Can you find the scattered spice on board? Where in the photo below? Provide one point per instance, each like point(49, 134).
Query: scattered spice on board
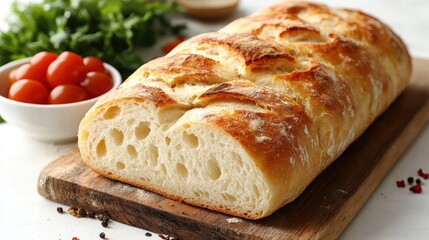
point(60, 210)
point(105, 223)
point(400, 184)
point(416, 188)
point(423, 174)
point(81, 212)
point(167, 237)
point(73, 211)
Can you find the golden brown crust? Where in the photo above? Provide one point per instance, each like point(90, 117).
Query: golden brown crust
point(183, 68)
point(141, 92)
point(287, 27)
point(250, 49)
point(280, 131)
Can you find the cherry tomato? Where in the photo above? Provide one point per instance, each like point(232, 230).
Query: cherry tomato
point(42, 60)
point(11, 77)
point(169, 46)
point(72, 58)
point(93, 64)
point(64, 71)
point(28, 91)
point(67, 94)
point(28, 71)
point(97, 83)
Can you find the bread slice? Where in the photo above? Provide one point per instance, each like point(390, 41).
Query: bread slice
point(242, 120)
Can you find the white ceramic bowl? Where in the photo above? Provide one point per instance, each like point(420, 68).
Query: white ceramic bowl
point(50, 122)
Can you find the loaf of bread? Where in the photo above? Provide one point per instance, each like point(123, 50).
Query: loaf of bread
point(242, 120)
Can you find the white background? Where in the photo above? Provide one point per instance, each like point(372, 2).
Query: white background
point(390, 213)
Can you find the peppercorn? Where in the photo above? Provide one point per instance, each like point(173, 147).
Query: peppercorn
point(60, 210)
point(81, 212)
point(418, 181)
point(148, 234)
point(410, 180)
point(105, 223)
point(102, 235)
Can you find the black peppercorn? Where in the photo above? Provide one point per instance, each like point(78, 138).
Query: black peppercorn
point(148, 234)
point(410, 180)
point(60, 210)
point(418, 181)
point(81, 212)
point(105, 223)
point(102, 235)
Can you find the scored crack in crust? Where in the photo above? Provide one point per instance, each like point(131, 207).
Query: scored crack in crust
point(242, 120)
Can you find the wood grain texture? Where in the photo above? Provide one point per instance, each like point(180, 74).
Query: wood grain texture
point(322, 212)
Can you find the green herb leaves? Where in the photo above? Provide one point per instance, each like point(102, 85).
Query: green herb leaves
point(108, 29)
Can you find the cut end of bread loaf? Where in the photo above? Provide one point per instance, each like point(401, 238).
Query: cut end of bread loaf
point(194, 162)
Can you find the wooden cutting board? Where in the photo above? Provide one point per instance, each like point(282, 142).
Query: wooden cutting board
point(322, 212)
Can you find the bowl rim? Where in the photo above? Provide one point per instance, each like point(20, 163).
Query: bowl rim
point(116, 78)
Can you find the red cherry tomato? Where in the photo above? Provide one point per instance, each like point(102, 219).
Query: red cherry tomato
point(28, 91)
point(11, 77)
point(66, 69)
point(93, 64)
point(72, 58)
point(97, 83)
point(42, 60)
point(171, 45)
point(67, 94)
point(62, 72)
point(28, 71)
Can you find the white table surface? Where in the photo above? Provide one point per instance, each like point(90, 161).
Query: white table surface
point(390, 213)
